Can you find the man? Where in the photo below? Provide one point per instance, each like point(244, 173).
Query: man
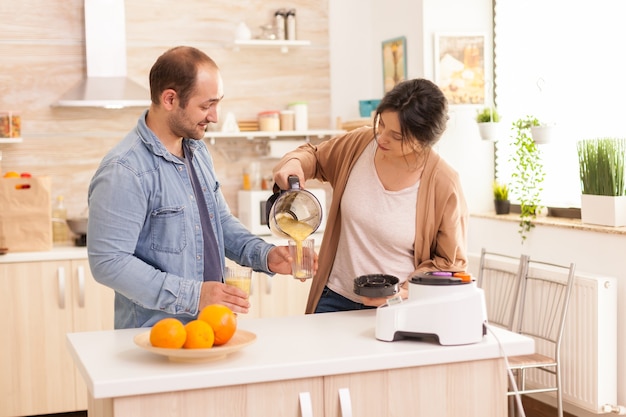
point(159, 226)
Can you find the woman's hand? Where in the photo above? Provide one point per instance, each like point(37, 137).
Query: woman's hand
point(377, 302)
point(291, 167)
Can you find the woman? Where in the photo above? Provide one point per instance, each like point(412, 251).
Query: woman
point(397, 206)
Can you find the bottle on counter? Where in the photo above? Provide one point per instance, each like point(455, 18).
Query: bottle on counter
point(60, 232)
point(290, 25)
point(279, 23)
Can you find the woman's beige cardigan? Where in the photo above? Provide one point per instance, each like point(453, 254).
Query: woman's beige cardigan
point(441, 215)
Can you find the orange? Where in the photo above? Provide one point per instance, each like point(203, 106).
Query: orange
point(222, 320)
point(12, 174)
point(199, 335)
point(168, 333)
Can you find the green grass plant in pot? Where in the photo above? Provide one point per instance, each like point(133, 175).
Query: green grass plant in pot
point(528, 174)
point(602, 165)
point(501, 198)
point(488, 121)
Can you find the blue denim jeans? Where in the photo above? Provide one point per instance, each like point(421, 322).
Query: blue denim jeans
point(330, 301)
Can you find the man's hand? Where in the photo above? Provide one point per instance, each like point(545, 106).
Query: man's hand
point(214, 292)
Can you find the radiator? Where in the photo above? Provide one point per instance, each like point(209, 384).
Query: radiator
point(589, 347)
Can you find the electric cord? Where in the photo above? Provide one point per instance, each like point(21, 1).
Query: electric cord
point(518, 398)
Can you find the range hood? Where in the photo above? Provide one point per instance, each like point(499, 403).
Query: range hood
point(106, 85)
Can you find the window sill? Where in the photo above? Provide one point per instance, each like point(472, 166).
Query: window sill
point(561, 222)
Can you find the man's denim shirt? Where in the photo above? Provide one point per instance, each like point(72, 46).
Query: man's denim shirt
point(144, 237)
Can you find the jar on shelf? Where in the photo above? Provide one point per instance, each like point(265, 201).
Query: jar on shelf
point(279, 23)
point(269, 121)
point(290, 25)
point(287, 119)
point(10, 124)
point(300, 109)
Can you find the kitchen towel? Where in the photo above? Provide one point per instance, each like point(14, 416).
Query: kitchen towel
point(25, 214)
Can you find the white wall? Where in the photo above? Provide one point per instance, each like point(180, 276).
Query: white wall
point(357, 30)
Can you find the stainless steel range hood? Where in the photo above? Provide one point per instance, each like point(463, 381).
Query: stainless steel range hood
point(106, 85)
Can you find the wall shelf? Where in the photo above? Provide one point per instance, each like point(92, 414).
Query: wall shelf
point(10, 140)
point(282, 134)
point(269, 43)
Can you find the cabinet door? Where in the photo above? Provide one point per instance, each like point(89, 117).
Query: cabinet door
point(473, 389)
point(283, 295)
point(93, 310)
point(93, 302)
point(36, 308)
point(276, 399)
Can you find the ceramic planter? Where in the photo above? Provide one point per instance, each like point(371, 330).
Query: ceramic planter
point(603, 210)
point(502, 206)
point(542, 134)
point(489, 130)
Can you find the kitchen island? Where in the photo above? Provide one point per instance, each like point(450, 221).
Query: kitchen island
point(315, 365)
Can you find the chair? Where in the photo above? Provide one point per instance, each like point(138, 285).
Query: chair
point(543, 304)
point(500, 276)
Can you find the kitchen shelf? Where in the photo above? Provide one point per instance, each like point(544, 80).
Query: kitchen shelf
point(10, 140)
point(305, 134)
point(262, 43)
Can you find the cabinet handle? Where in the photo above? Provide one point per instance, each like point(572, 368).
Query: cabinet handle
point(61, 285)
point(345, 402)
point(306, 407)
point(81, 286)
point(268, 284)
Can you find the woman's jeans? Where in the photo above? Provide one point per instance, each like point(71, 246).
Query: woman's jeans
point(331, 301)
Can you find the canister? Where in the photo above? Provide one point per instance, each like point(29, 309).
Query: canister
point(287, 119)
point(269, 121)
point(301, 111)
point(10, 124)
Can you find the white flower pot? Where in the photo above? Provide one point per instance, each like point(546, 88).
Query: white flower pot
point(603, 210)
point(542, 134)
point(490, 130)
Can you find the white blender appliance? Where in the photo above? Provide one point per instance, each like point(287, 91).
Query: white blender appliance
point(445, 305)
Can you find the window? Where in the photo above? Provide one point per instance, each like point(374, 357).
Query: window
point(564, 63)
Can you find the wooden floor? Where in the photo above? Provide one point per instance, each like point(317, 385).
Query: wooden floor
point(534, 408)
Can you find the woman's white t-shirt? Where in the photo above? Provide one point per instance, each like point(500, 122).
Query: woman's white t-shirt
point(377, 229)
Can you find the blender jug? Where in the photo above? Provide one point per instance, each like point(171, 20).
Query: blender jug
point(294, 213)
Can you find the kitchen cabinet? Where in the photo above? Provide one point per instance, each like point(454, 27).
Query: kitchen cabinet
point(318, 365)
point(459, 389)
point(40, 303)
point(276, 399)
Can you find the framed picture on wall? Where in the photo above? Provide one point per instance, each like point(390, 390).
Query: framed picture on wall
point(460, 67)
point(394, 62)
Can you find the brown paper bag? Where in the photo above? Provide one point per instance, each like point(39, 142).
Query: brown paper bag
point(25, 214)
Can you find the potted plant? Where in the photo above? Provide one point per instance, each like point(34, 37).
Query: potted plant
point(602, 165)
point(528, 174)
point(488, 121)
point(501, 198)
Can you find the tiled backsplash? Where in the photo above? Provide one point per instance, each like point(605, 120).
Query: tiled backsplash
point(43, 57)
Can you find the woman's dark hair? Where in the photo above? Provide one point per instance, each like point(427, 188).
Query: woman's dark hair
point(422, 110)
point(177, 69)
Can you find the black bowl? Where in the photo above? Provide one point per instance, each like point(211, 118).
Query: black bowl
point(376, 285)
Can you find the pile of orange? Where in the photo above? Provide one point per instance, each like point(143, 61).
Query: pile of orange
point(216, 325)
